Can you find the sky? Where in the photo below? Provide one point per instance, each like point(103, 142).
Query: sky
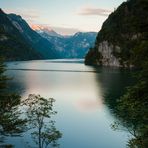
point(64, 16)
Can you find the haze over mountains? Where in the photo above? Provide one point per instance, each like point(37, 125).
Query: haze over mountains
point(74, 46)
point(18, 41)
point(40, 44)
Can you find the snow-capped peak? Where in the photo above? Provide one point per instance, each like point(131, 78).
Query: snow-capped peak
point(45, 29)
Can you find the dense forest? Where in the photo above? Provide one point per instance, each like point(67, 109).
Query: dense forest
point(126, 32)
point(13, 46)
point(127, 28)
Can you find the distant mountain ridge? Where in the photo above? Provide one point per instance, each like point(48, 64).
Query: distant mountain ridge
point(45, 31)
point(72, 46)
point(18, 41)
point(40, 44)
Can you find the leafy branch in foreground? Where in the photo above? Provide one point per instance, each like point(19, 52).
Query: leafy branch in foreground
point(132, 110)
point(39, 112)
point(11, 123)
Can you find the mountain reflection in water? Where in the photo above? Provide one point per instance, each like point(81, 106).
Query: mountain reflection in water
point(81, 93)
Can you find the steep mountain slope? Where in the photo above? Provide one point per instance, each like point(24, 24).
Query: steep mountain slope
point(45, 32)
point(123, 37)
point(43, 46)
point(13, 46)
point(75, 46)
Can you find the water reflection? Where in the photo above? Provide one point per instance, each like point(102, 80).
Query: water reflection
point(11, 124)
point(89, 104)
point(113, 83)
point(128, 112)
point(83, 116)
point(32, 115)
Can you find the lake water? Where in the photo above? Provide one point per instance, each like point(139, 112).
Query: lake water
point(83, 95)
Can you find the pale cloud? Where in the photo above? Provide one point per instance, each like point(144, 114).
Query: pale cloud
point(29, 15)
point(94, 11)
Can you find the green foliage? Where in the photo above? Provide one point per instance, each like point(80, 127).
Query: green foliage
point(11, 124)
point(39, 113)
point(93, 57)
point(2, 76)
point(132, 110)
point(13, 45)
point(140, 54)
point(126, 27)
point(10, 119)
point(38, 110)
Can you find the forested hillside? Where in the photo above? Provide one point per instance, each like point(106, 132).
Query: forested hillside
point(13, 46)
point(123, 37)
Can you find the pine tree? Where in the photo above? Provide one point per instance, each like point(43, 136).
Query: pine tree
point(3, 78)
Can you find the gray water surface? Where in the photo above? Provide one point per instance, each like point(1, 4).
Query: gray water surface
point(81, 92)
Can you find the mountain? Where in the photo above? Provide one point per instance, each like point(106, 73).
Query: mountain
point(44, 31)
point(77, 46)
point(74, 46)
point(13, 45)
point(40, 44)
point(18, 41)
point(123, 39)
point(50, 33)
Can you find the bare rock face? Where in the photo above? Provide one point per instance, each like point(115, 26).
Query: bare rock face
point(107, 57)
point(122, 37)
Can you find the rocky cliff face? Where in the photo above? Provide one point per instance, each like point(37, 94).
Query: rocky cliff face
point(121, 36)
point(108, 58)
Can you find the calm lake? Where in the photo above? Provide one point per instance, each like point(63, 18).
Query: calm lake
point(84, 98)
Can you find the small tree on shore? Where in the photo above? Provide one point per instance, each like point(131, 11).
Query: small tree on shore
point(39, 112)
